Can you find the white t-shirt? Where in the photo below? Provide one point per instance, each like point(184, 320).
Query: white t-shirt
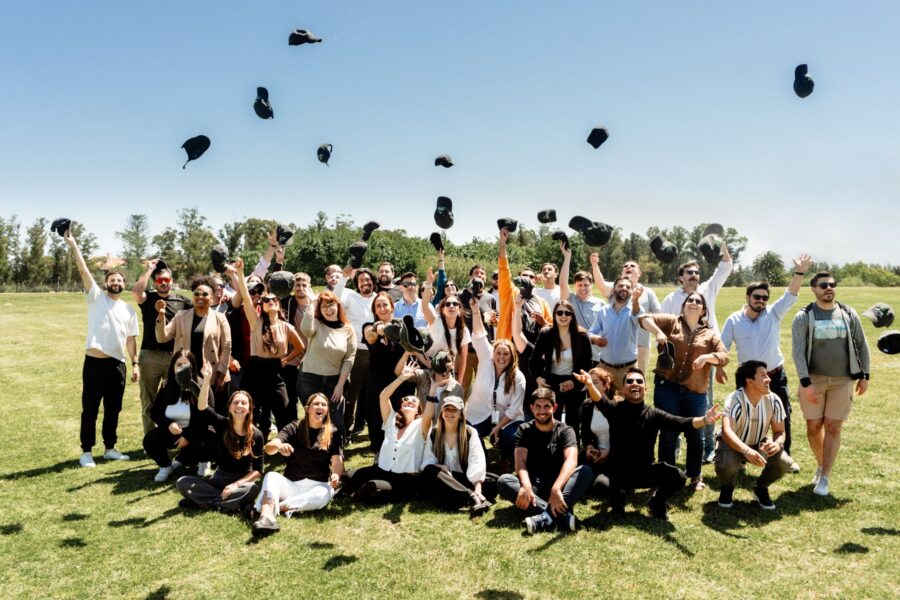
point(551, 295)
point(180, 412)
point(110, 323)
point(563, 365)
point(476, 467)
point(403, 455)
point(600, 428)
point(439, 341)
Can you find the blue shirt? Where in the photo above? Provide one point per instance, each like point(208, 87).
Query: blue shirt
point(401, 309)
point(621, 331)
point(759, 339)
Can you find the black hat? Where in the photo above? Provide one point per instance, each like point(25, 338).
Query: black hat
point(302, 36)
point(880, 314)
point(392, 330)
point(509, 224)
point(560, 236)
point(261, 106)
point(218, 254)
point(368, 228)
point(443, 214)
point(664, 250)
point(61, 226)
point(195, 147)
point(714, 228)
point(547, 216)
point(579, 224)
point(357, 251)
point(525, 285)
point(160, 266)
point(281, 283)
point(666, 358)
point(437, 241)
point(410, 338)
point(443, 160)
point(710, 247)
point(284, 234)
point(426, 338)
point(803, 83)
point(324, 153)
point(597, 137)
point(598, 234)
point(476, 285)
point(889, 342)
point(441, 362)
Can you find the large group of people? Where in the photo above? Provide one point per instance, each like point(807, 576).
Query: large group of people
point(521, 386)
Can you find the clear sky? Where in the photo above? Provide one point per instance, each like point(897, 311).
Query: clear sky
point(97, 98)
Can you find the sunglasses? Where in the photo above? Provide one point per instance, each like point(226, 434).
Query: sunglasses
point(692, 271)
point(564, 313)
point(495, 277)
point(269, 299)
point(759, 297)
point(409, 284)
point(634, 380)
point(256, 291)
point(451, 304)
point(163, 280)
point(327, 305)
point(825, 286)
point(199, 294)
point(694, 301)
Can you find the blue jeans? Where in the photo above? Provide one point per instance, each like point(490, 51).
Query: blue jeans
point(680, 401)
point(507, 435)
point(709, 431)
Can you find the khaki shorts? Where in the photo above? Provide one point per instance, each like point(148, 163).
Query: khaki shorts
point(835, 398)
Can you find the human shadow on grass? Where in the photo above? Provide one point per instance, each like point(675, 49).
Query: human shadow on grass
point(161, 593)
point(72, 542)
point(491, 594)
point(141, 522)
point(70, 517)
point(128, 481)
point(339, 560)
point(10, 529)
point(605, 520)
point(66, 465)
point(851, 548)
point(880, 531)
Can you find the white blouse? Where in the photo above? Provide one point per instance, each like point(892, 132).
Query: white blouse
point(476, 469)
point(439, 342)
point(180, 412)
point(563, 365)
point(481, 399)
point(402, 455)
point(600, 428)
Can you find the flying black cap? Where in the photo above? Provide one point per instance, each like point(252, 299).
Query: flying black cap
point(443, 214)
point(302, 36)
point(598, 234)
point(560, 236)
point(579, 224)
point(889, 342)
point(525, 285)
point(61, 226)
point(357, 251)
point(714, 228)
point(392, 330)
point(284, 234)
point(437, 241)
point(803, 83)
point(281, 283)
point(710, 247)
point(410, 338)
point(509, 224)
point(324, 153)
point(547, 216)
point(443, 160)
point(160, 266)
point(664, 250)
point(195, 147)
point(598, 136)
point(880, 314)
point(261, 106)
point(368, 228)
point(218, 254)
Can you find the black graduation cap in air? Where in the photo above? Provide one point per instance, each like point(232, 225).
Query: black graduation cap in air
point(597, 136)
point(61, 226)
point(302, 36)
point(714, 228)
point(509, 224)
point(195, 147)
point(664, 250)
point(357, 251)
point(443, 214)
point(324, 153)
point(437, 241)
point(547, 216)
point(160, 266)
point(368, 228)
point(579, 224)
point(443, 160)
point(803, 83)
point(218, 254)
point(666, 358)
point(281, 283)
point(889, 342)
point(598, 234)
point(262, 106)
point(880, 314)
point(560, 236)
point(710, 247)
point(284, 234)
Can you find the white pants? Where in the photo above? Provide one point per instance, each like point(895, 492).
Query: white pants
point(292, 496)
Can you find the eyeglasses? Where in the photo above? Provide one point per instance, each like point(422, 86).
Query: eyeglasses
point(564, 313)
point(634, 380)
point(161, 280)
point(759, 297)
point(409, 284)
point(450, 285)
point(693, 301)
point(825, 286)
point(451, 304)
point(199, 294)
point(327, 305)
point(692, 271)
point(269, 299)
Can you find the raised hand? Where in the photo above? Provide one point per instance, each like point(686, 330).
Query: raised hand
point(802, 263)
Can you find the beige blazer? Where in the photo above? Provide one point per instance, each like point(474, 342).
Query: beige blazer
point(216, 337)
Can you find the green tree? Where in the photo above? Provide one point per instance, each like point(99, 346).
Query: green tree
point(185, 248)
point(33, 268)
point(769, 266)
point(135, 243)
point(9, 243)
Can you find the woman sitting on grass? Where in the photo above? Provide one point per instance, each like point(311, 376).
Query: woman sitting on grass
point(315, 463)
point(238, 453)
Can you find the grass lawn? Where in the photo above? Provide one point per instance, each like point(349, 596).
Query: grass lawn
point(113, 532)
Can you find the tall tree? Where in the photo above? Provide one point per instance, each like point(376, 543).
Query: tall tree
point(135, 243)
point(769, 266)
point(33, 268)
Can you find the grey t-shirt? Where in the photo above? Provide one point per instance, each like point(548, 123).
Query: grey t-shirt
point(830, 351)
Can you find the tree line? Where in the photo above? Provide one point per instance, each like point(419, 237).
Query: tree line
point(33, 259)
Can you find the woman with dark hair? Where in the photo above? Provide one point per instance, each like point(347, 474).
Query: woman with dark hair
point(238, 452)
point(315, 462)
point(177, 418)
point(448, 330)
point(273, 343)
point(329, 357)
point(561, 350)
point(694, 348)
point(454, 469)
point(594, 425)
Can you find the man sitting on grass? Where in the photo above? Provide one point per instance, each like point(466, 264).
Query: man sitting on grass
point(749, 413)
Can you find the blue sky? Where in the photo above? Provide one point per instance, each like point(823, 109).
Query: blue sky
point(97, 98)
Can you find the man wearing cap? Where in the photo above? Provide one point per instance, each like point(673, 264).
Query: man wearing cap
point(111, 337)
point(546, 287)
point(155, 356)
point(830, 352)
point(358, 306)
point(386, 282)
point(615, 330)
point(689, 283)
point(756, 331)
point(409, 303)
point(586, 304)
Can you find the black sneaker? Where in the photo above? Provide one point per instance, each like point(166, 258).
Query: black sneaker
point(658, 508)
point(761, 495)
point(541, 522)
point(479, 508)
point(726, 497)
point(567, 522)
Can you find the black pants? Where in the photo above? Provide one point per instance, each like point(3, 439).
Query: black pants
point(158, 442)
point(262, 380)
point(355, 390)
point(452, 491)
point(103, 380)
point(289, 374)
point(779, 385)
point(386, 486)
point(310, 383)
point(207, 493)
point(664, 477)
point(571, 401)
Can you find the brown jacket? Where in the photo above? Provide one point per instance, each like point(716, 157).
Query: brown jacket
point(216, 337)
point(689, 346)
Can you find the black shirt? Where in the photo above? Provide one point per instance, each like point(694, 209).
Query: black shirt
point(197, 340)
point(632, 432)
point(309, 463)
point(546, 450)
point(174, 303)
point(224, 459)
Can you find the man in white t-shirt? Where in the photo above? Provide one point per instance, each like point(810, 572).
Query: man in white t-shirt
point(111, 336)
point(358, 306)
point(545, 285)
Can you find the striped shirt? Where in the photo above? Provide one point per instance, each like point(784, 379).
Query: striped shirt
point(751, 423)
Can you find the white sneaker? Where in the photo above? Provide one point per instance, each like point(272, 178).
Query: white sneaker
point(176, 465)
point(87, 460)
point(163, 474)
point(204, 469)
point(113, 454)
point(815, 479)
point(821, 488)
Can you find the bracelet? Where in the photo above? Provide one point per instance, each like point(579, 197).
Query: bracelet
point(799, 273)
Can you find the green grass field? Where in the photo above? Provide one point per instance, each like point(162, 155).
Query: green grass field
point(112, 532)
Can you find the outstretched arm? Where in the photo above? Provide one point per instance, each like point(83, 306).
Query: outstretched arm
point(87, 280)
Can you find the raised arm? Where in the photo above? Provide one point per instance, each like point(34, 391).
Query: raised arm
point(206, 372)
point(801, 266)
point(87, 280)
point(441, 279)
point(602, 285)
point(140, 286)
point(518, 338)
point(384, 398)
point(564, 271)
point(237, 269)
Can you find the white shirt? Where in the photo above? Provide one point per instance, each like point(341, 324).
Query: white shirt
point(709, 289)
point(759, 339)
point(439, 340)
point(180, 412)
point(481, 400)
point(562, 365)
point(600, 428)
point(357, 307)
point(476, 469)
point(551, 295)
point(403, 455)
point(110, 323)
point(751, 423)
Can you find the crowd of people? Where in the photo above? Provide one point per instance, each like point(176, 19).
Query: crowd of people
point(517, 385)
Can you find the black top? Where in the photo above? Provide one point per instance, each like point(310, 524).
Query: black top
point(224, 459)
point(383, 357)
point(309, 463)
point(174, 303)
point(197, 340)
point(163, 399)
point(545, 450)
point(541, 360)
point(632, 432)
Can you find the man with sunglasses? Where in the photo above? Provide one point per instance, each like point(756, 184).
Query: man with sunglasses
point(830, 352)
point(155, 356)
point(756, 331)
point(358, 307)
point(615, 330)
point(409, 303)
